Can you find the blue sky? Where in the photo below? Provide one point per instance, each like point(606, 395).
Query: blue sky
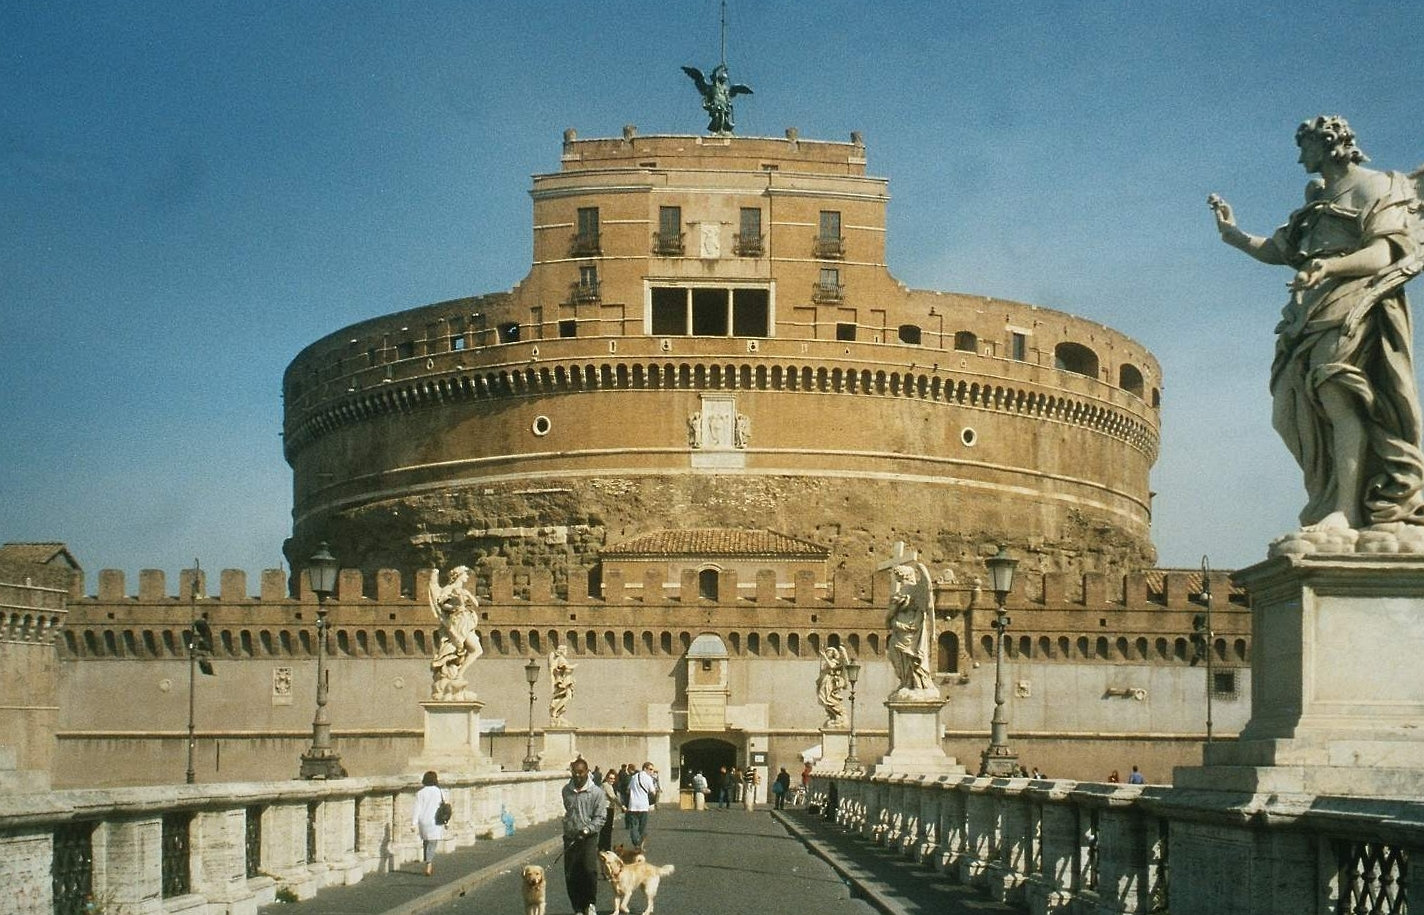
point(192, 192)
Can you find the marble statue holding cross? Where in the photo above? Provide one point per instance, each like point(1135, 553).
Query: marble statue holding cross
point(910, 621)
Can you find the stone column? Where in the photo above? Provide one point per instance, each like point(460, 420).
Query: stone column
point(128, 865)
point(220, 860)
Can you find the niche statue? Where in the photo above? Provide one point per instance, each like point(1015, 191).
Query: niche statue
point(457, 611)
point(1342, 383)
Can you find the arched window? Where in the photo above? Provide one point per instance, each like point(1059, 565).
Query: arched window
point(947, 657)
point(1130, 379)
point(1075, 358)
point(707, 584)
point(966, 342)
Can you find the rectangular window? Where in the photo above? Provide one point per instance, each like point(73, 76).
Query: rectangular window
point(830, 225)
point(845, 331)
point(670, 220)
point(568, 328)
point(669, 312)
point(749, 243)
point(709, 312)
point(405, 350)
point(669, 239)
point(828, 287)
point(586, 242)
point(1224, 683)
point(751, 312)
point(457, 342)
point(1018, 347)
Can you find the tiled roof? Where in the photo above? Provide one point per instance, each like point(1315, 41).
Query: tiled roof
point(1157, 581)
point(716, 541)
point(36, 553)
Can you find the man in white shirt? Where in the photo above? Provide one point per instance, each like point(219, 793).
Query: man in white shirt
point(642, 792)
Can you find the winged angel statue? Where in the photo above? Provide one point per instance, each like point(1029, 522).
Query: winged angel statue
point(717, 95)
point(457, 611)
point(910, 621)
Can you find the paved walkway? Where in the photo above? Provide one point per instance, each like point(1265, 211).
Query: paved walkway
point(729, 862)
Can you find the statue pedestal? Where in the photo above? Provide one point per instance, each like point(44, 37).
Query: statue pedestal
point(452, 739)
point(559, 750)
point(915, 736)
point(835, 747)
point(1337, 689)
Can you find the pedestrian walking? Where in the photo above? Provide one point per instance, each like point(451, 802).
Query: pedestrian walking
point(1114, 777)
point(642, 795)
point(724, 787)
point(736, 785)
point(425, 820)
point(585, 810)
point(625, 774)
point(1136, 778)
point(780, 787)
point(610, 791)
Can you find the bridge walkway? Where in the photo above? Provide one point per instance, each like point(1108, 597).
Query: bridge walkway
point(729, 862)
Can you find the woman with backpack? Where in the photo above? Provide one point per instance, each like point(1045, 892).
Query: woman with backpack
point(429, 816)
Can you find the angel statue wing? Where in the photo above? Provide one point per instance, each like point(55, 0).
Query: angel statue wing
point(739, 89)
point(702, 85)
point(433, 594)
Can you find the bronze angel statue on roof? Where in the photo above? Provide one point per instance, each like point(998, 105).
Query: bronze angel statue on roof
point(717, 95)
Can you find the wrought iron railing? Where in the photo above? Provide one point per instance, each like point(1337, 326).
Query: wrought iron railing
point(72, 869)
point(587, 292)
point(830, 248)
point(175, 854)
point(1374, 878)
point(252, 841)
point(667, 244)
point(749, 245)
point(827, 292)
point(585, 245)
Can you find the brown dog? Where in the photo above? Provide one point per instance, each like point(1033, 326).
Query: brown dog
point(629, 855)
point(535, 893)
point(627, 877)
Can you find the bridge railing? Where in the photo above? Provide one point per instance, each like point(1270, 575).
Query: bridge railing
point(1050, 847)
point(233, 847)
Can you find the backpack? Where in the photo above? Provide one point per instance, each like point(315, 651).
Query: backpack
point(443, 812)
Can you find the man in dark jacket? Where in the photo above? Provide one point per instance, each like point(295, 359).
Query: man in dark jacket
point(585, 810)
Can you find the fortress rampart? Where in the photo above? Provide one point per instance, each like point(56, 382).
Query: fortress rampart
point(1147, 621)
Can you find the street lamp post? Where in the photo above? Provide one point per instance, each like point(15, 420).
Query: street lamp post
point(998, 758)
point(531, 674)
point(1204, 640)
point(321, 761)
point(852, 673)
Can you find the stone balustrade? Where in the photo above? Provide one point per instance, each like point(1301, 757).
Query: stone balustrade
point(1048, 847)
point(231, 848)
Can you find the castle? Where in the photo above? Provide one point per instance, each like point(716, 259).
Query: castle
point(684, 447)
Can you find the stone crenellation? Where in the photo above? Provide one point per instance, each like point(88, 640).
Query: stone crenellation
point(1147, 620)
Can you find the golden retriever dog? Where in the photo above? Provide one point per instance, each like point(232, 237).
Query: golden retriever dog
point(628, 876)
point(535, 893)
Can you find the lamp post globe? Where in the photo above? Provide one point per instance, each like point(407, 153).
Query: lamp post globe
point(321, 761)
point(531, 674)
point(852, 674)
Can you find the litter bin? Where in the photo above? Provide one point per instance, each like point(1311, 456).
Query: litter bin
point(684, 799)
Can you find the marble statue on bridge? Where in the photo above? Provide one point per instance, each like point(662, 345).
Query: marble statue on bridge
point(561, 684)
point(910, 621)
point(457, 611)
point(1342, 382)
point(831, 684)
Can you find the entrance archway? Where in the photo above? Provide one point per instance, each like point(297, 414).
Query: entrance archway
point(706, 755)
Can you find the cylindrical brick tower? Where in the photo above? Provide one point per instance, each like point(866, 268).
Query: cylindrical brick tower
point(709, 337)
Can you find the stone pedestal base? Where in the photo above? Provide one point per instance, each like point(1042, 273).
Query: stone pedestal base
point(559, 747)
point(1337, 687)
point(914, 736)
point(452, 739)
point(835, 747)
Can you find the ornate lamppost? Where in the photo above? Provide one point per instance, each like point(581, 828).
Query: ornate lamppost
point(321, 761)
point(531, 674)
point(998, 759)
point(1203, 641)
point(852, 674)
